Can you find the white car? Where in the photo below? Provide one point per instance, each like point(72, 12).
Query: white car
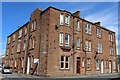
point(7, 69)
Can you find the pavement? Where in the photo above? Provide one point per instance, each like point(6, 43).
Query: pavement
point(20, 76)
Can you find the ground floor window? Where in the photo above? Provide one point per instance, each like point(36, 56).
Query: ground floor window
point(88, 63)
point(114, 65)
point(64, 62)
point(82, 61)
point(97, 65)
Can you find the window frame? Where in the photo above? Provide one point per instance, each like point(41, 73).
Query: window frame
point(61, 19)
point(78, 43)
point(67, 41)
point(61, 36)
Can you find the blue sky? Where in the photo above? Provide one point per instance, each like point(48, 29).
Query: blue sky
point(17, 14)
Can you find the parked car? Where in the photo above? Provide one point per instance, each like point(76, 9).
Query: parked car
point(7, 69)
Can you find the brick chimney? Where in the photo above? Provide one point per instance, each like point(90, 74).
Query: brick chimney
point(97, 23)
point(76, 14)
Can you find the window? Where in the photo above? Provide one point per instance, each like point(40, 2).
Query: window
point(88, 63)
point(114, 66)
point(12, 49)
point(7, 51)
point(88, 45)
point(98, 33)
point(67, 62)
point(82, 61)
point(67, 20)
point(13, 37)
point(67, 39)
point(61, 19)
point(8, 40)
point(25, 30)
point(78, 26)
point(18, 47)
point(33, 43)
point(24, 46)
point(64, 62)
point(97, 65)
point(33, 25)
point(111, 50)
point(87, 28)
point(61, 39)
point(99, 48)
point(15, 63)
point(20, 33)
point(22, 61)
point(110, 37)
point(105, 63)
point(78, 43)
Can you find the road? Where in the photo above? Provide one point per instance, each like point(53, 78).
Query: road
point(16, 76)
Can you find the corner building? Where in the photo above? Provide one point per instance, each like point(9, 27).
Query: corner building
point(59, 43)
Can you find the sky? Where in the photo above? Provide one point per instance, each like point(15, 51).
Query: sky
point(16, 14)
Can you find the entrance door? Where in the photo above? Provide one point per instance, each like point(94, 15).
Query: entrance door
point(110, 68)
point(28, 65)
point(78, 65)
point(102, 66)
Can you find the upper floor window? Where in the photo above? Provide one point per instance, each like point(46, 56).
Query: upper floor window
point(88, 45)
point(61, 19)
point(78, 26)
point(98, 33)
point(110, 37)
point(88, 63)
point(8, 40)
point(33, 26)
point(61, 39)
point(67, 19)
point(88, 28)
point(32, 43)
point(24, 46)
point(13, 37)
point(78, 43)
point(64, 62)
point(67, 36)
point(99, 48)
point(20, 33)
point(19, 44)
point(7, 51)
point(111, 50)
point(25, 29)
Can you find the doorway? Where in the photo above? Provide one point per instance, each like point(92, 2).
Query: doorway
point(110, 67)
point(28, 65)
point(102, 66)
point(78, 65)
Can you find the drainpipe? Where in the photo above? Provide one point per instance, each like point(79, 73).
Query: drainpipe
point(83, 48)
point(26, 49)
point(73, 46)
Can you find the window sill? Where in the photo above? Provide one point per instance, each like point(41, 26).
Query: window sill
point(88, 34)
point(65, 47)
point(64, 69)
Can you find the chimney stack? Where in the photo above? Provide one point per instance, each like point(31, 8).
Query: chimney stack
point(76, 14)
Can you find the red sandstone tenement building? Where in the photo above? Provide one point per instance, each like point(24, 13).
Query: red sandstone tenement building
point(59, 43)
